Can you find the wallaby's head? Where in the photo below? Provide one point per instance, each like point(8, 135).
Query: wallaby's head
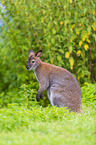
point(33, 59)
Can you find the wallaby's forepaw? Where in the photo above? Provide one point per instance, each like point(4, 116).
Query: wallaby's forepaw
point(37, 97)
point(41, 96)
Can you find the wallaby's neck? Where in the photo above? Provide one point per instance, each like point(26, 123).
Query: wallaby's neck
point(39, 63)
point(37, 69)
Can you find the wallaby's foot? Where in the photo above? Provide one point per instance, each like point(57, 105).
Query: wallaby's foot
point(41, 96)
point(37, 97)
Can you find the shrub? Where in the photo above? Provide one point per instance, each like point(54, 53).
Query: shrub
point(65, 30)
point(89, 94)
point(26, 96)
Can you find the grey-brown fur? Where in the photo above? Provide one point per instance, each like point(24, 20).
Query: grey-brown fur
point(62, 87)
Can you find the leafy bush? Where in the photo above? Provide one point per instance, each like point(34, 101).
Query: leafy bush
point(50, 125)
point(24, 120)
point(15, 116)
point(65, 30)
point(23, 96)
point(26, 96)
point(89, 94)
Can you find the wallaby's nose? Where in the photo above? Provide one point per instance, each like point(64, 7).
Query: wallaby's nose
point(27, 67)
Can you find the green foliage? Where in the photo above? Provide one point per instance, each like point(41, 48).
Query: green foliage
point(65, 30)
point(89, 94)
point(25, 121)
point(25, 95)
point(50, 125)
point(24, 116)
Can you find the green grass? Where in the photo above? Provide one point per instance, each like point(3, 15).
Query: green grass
point(32, 124)
point(46, 126)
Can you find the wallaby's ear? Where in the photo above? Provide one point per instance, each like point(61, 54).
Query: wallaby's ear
point(31, 52)
point(38, 54)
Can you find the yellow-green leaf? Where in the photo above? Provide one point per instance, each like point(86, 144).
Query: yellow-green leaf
point(70, 49)
point(59, 58)
point(2, 2)
point(86, 47)
point(70, 1)
point(71, 60)
point(80, 43)
point(53, 31)
point(67, 54)
point(52, 60)
point(61, 23)
point(53, 41)
point(78, 52)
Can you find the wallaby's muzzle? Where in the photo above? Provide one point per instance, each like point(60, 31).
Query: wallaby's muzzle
point(27, 67)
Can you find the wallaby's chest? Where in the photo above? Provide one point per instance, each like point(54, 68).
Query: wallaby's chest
point(36, 75)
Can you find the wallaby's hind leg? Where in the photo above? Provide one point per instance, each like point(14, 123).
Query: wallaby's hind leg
point(61, 99)
point(50, 96)
point(56, 99)
point(57, 102)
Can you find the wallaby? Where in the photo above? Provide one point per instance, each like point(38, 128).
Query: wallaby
point(62, 87)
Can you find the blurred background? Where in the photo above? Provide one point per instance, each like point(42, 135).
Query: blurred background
point(64, 29)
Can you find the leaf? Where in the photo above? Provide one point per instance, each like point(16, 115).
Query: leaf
point(88, 40)
point(61, 50)
point(77, 32)
point(80, 43)
point(86, 47)
point(71, 60)
point(78, 52)
point(93, 27)
point(53, 41)
point(70, 49)
point(72, 26)
point(52, 60)
point(2, 2)
point(53, 31)
point(67, 54)
point(83, 38)
point(94, 35)
point(61, 23)
point(59, 58)
point(70, 1)
point(42, 21)
point(89, 29)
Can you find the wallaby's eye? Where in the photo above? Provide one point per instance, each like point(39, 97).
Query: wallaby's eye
point(33, 61)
